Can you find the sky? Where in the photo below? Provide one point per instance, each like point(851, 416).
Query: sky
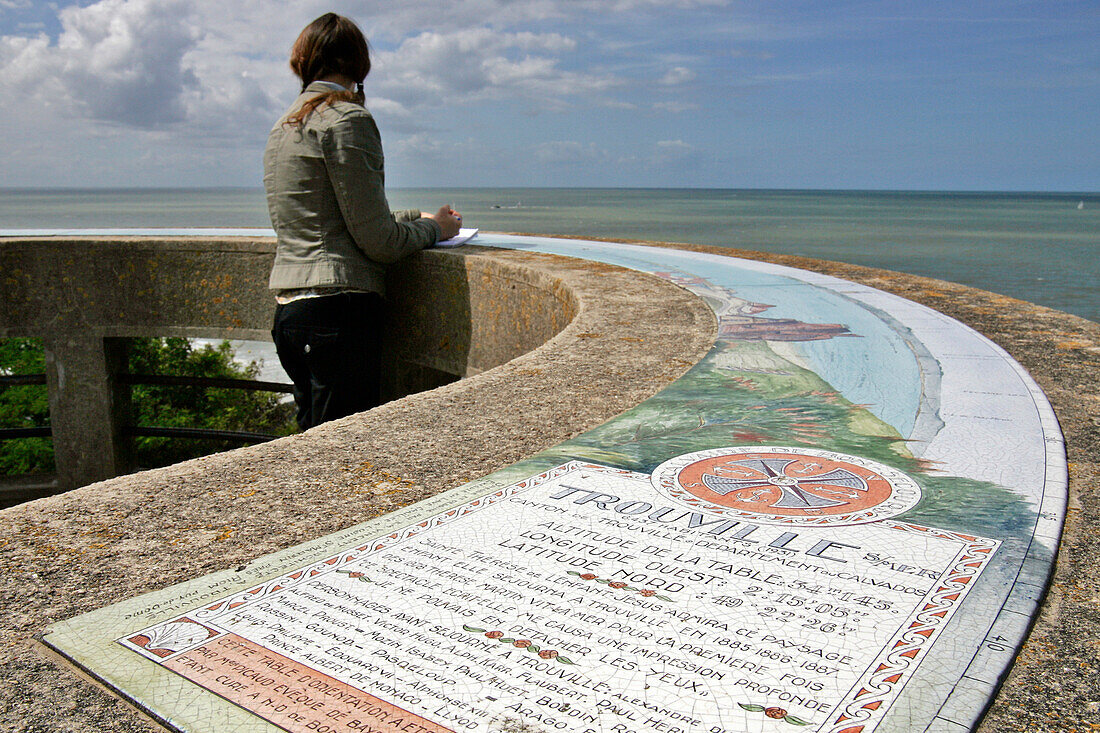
point(822, 94)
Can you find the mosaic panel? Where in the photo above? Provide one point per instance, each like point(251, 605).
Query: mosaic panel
point(840, 520)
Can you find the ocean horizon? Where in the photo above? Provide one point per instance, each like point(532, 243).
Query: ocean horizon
point(1042, 247)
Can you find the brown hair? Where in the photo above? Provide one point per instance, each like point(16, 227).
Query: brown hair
point(332, 44)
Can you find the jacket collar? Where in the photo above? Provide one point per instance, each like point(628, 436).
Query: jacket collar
point(325, 86)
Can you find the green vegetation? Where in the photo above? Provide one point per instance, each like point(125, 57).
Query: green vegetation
point(197, 407)
point(151, 405)
point(24, 406)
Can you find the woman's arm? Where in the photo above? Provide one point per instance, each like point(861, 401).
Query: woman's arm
point(353, 156)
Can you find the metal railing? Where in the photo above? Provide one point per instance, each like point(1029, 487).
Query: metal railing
point(19, 488)
point(241, 436)
point(20, 380)
point(17, 380)
point(206, 382)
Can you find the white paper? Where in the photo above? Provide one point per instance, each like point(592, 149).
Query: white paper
point(463, 236)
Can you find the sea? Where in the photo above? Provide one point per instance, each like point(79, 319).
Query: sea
point(1040, 247)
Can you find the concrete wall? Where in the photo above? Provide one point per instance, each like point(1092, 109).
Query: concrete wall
point(453, 313)
point(632, 335)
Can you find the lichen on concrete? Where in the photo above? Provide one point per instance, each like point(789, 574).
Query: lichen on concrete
point(85, 549)
point(631, 335)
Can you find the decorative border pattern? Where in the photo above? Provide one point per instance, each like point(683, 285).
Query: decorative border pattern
point(866, 703)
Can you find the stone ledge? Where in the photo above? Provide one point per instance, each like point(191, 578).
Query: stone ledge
point(64, 555)
point(90, 560)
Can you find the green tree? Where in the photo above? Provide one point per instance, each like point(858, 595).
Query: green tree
point(151, 405)
point(24, 406)
point(197, 407)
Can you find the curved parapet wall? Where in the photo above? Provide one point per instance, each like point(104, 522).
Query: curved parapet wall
point(773, 510)
point(630, 336)
point(130, 286)
point(462, 311)
point(452, 314)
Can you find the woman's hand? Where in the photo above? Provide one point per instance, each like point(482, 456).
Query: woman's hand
point(449, 221)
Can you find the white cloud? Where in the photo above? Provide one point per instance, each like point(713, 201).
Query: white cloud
point(146, 64)
point(201, 81)
point(476, 64)
point(674, 146)
point(116, 61)
point(677, 75)
point(675, 107)
point(669, 151)
point(151, 63)
point(569, 151)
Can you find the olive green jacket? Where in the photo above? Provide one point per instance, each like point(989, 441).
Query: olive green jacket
point(326, 196)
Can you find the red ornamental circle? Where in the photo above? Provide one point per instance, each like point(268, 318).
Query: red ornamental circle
point(784, 484)
point(776, 713)
point(787, 485)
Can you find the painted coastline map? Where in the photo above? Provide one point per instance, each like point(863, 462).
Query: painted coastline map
point(781, 540)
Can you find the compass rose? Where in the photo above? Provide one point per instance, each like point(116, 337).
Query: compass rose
point(787, 485)
point(831, 489)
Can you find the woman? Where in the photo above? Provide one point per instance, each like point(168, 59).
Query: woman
point(325, 186)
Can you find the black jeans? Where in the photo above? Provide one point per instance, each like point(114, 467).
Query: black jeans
point(330, 347)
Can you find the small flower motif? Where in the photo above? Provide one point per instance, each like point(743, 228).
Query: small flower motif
point(356, 575)
point(620, 585)
point(775, 713)
point(520, 644)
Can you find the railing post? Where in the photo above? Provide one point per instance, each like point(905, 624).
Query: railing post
point(88, 407)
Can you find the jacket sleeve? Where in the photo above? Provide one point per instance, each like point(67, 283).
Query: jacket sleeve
point(406, 214)
point(353, 156)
